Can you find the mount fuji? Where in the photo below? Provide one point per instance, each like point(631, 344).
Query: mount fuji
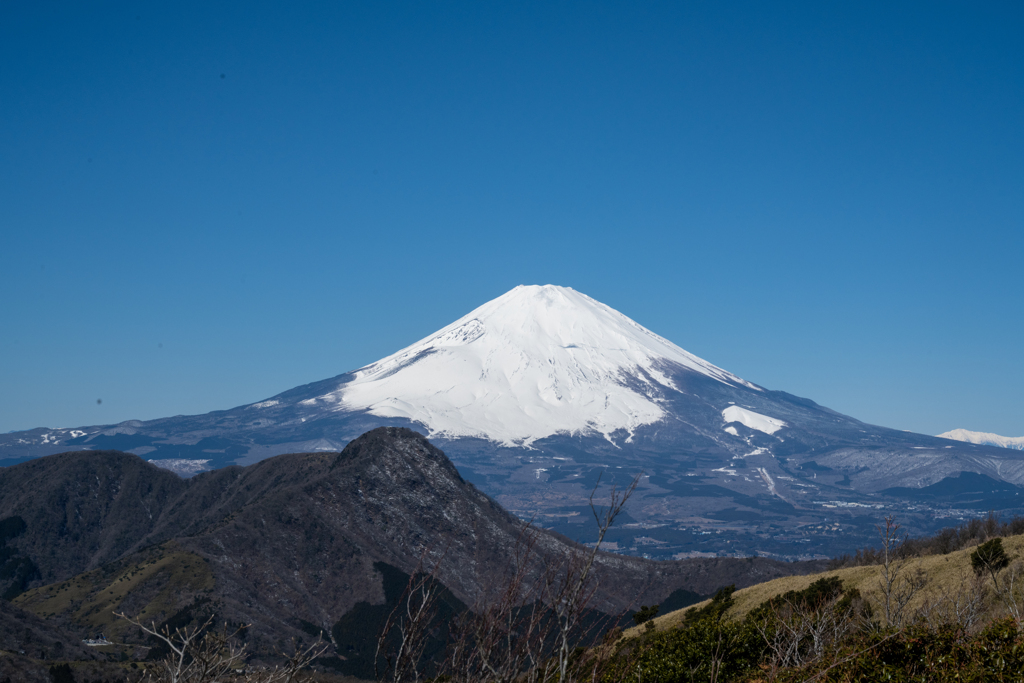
point(533, 363)
point(541, 393)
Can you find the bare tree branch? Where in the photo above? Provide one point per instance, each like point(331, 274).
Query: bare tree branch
point(407, 625)
point(527, 633)
point(199, 654)
point(898, 585)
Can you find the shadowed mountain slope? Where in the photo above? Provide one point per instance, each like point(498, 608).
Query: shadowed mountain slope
point(82, 511)
point(294, 542)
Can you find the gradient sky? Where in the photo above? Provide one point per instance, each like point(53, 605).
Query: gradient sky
point(204, 204)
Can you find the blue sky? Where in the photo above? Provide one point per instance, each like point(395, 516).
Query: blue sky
point(204, 204)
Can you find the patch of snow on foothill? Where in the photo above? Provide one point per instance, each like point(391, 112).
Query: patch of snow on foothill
point(183, 467)
point(985, 439)
point(762, 423)
point(536, 361)
point(264, 404)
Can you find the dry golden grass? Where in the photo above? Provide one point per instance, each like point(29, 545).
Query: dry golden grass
point(943, 573)
point(163, 575)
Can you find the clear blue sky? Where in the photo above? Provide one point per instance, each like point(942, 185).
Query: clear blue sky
point(202, 205)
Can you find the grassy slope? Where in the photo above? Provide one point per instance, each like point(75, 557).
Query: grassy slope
point(945, 574)
point(153, 585)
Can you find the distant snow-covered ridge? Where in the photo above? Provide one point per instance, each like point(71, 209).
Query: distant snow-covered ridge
point(985, 439)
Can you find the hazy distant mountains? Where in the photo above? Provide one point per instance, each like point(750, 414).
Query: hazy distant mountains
point(985, 438)
point(294, 544)
point(537, 393)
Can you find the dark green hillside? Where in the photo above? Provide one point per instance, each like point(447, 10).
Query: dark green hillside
point(83, 510)
point(17, 571)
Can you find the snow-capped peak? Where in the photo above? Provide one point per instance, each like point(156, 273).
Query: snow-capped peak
point(985, 438)
point(536, 361)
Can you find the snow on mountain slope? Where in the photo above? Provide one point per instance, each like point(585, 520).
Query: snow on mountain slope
point(985, 439)
point(536, 361)
point(762, 423)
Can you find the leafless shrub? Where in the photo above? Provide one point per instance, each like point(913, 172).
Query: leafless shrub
point(528, 630)
point(200, 654)
point(500, 639)
point(576, 590)
point(798, 634)
point(898, 582)
point(1011, 591)
point(961, 607)
point(404, 634)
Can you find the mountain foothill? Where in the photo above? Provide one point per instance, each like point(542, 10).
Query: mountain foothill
point(296, 545)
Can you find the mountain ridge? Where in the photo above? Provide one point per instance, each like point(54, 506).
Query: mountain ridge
point(723, 458)
point(296, 539)
point(985, 438)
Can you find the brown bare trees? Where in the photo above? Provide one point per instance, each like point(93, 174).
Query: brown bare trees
point(898, 581)
point(202, 654)
point(960, 608)
point(405, 631)
point(799, 631)
point(526, 631)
